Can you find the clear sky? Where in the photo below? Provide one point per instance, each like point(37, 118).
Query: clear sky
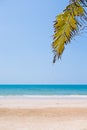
point(26, 29)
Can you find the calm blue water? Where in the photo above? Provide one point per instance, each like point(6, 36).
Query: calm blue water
point(43, 90)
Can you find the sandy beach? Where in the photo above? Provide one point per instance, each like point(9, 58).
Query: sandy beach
point(43, 113)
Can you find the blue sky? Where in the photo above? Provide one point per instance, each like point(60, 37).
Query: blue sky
point(26, 29)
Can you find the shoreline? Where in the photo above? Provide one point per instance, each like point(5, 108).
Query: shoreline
point(46, 96)
point(43, 101)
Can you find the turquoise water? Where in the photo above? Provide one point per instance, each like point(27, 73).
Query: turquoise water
point(43, 90)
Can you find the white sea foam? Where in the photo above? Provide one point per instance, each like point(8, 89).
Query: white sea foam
point(45, 96)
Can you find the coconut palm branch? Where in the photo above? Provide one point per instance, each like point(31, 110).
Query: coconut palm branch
point(67, 25)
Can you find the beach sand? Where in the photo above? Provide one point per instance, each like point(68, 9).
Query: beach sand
point(37, 113)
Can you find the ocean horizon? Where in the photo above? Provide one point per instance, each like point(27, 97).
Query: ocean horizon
point(42, 90)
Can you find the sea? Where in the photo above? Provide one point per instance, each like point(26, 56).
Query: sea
point(42, 90)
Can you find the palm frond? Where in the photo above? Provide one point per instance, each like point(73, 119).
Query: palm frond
point(67, 25)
